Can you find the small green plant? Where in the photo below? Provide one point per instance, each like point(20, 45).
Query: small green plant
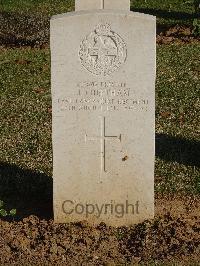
point(196, 27)
point(196, 21)
point(4, 212)
point(197, 6)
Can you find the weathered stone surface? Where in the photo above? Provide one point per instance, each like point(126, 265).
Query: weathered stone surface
point(88, 4)
point(102, 4)
point(103, 82)
point(117, 4)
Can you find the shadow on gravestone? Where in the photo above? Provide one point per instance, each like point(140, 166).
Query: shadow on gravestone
point(29, 192)
point(178, 150)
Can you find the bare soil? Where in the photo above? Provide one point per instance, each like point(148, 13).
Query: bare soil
point(173, 236)
point(176, 34)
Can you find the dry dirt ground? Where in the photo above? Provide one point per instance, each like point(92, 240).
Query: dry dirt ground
point(172, 237)
point(176, 34)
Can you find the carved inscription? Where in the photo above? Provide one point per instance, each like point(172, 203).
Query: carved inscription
point(102, 96)
point(102, 51)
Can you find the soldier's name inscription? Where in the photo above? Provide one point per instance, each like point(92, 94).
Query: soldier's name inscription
point(104, 96)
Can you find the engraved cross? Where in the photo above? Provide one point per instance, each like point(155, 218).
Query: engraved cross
point(103, 137)
point(103, 48)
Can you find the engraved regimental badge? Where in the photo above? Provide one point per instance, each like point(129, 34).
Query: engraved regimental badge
point(103, 51)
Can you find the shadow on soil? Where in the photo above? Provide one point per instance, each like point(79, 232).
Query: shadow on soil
point(32, 29)
point(23, 29)
point(28, 191)
point(166, 14)
point(178, 150)
point(31, 192)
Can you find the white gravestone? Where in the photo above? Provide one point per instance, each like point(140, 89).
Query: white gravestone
point(102, 4)
point(103, 83)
